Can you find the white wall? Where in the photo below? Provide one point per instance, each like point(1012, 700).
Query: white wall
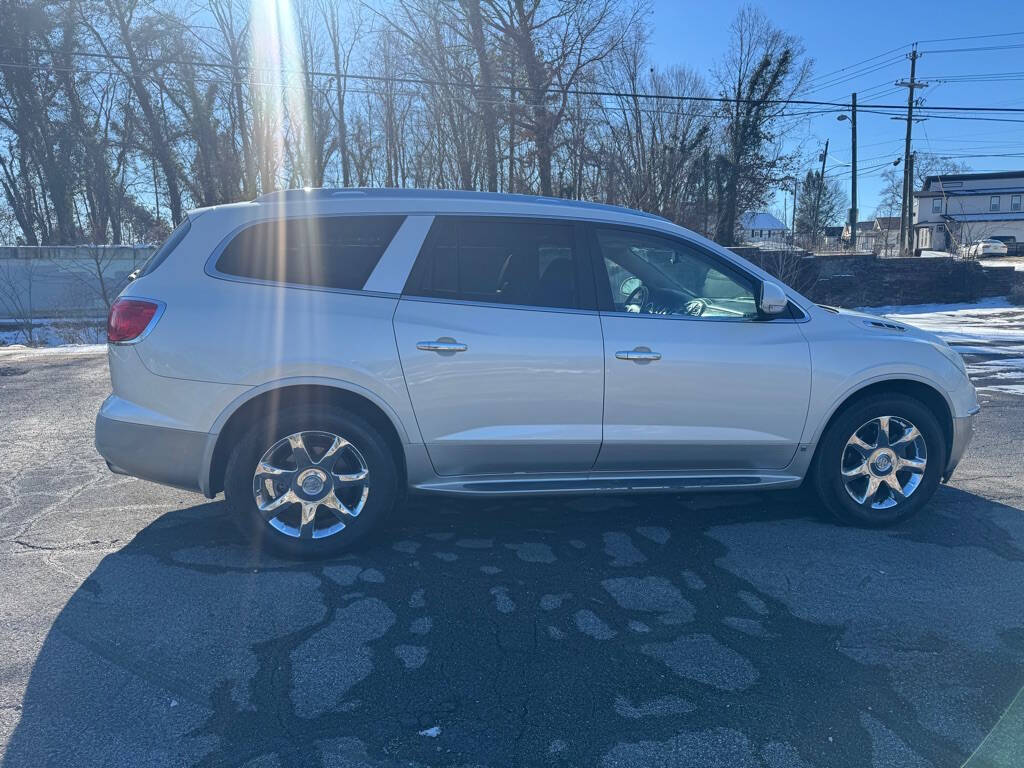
point(62, 281)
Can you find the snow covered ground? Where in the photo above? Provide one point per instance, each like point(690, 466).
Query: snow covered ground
point(15, 352)
point(1017, 262)
point(989, 334)
point(52, 332)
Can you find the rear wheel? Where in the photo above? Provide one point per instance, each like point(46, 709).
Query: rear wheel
point(880, 461)
point(312, 482)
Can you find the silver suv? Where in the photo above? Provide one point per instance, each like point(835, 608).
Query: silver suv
point(316, 353)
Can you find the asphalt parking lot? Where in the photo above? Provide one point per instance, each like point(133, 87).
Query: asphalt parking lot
point(138, 629)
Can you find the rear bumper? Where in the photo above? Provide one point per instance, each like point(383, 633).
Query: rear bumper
point(160, 454)
point(963, 431)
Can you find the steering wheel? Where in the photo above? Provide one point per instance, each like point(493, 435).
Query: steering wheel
point(638, 298)
point(695, 307)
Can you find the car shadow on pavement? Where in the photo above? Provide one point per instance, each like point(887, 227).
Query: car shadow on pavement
point(665, 630)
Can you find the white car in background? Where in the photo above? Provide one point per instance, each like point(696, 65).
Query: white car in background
point(986, 247)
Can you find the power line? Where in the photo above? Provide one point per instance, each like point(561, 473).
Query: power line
point(1006, 47)
point(854, 75)
point(856, 64)
point(409, 80)
point(652, 110)
point(873, 108)
point(971, 37)
point(949, 117)
point(860, 171)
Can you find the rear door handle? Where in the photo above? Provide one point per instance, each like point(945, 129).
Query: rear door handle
point(638, 355)
point(443, 345)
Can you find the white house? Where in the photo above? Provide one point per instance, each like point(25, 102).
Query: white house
point(878, 235)
point(887, 235)
point(760, 226)
point(958, 209)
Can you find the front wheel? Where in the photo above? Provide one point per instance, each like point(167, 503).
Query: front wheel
point(880, 461)
point(311, 482)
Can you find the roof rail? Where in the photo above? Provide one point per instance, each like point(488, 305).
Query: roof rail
point(336, 193)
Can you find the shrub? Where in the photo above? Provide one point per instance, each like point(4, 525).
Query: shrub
point(1017, 294)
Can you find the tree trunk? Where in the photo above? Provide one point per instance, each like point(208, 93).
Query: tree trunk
point(161, 147)
point(490, 119)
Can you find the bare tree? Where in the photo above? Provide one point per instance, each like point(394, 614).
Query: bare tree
point(134, 37)
point(95, 269)
point(166, 113)
point(343, 33)
point(763, 67)
point(233, 26)
point(487, 94)
point(925, 165)
point(555, 43)
point(657, 143)
point(17, 279)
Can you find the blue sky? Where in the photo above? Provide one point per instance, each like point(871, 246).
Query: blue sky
point(695, 35)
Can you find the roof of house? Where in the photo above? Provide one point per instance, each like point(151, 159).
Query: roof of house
point(967, 191)
point(888, 222)
point(833, 231)
point(973, 176)
point(760, 220)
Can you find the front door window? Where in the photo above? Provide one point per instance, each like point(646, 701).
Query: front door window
point(652, 275)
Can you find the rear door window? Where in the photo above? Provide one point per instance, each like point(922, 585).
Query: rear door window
point(325, 252)
point(526, 262)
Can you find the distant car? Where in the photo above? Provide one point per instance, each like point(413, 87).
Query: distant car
point(1013, 248)
point(315, 354)
point(987, 247)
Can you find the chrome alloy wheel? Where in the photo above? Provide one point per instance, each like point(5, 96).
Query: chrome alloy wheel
point(883, 462)
point(309, 484)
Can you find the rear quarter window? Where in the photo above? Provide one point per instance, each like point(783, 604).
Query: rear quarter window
point(172, 242)
point(326, 251)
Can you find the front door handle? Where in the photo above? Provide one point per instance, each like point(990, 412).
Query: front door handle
point(444, 345)
point(638, 355)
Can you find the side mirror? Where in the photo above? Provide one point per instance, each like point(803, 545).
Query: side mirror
point(773, 299)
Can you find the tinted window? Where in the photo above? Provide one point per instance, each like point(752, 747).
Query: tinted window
point(648, 274)
point(499, 261)
point(327, 252)
point(169, 245)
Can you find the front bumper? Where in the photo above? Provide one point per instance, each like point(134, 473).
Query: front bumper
point(160, 454)
point(963, 431)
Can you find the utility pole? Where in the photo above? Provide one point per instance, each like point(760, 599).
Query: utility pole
point(796, 180)
point(853, 162)
point(910, 206)
point(817, 197)
point(906, 209)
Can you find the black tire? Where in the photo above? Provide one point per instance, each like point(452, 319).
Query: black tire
point(371, 447)
point(832, 456)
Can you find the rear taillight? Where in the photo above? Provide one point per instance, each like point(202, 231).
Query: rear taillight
point(129, 319)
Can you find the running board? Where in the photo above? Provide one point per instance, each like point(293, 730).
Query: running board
point(494, 486)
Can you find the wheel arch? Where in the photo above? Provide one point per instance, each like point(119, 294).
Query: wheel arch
point(264, 402)
point(922, 391)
